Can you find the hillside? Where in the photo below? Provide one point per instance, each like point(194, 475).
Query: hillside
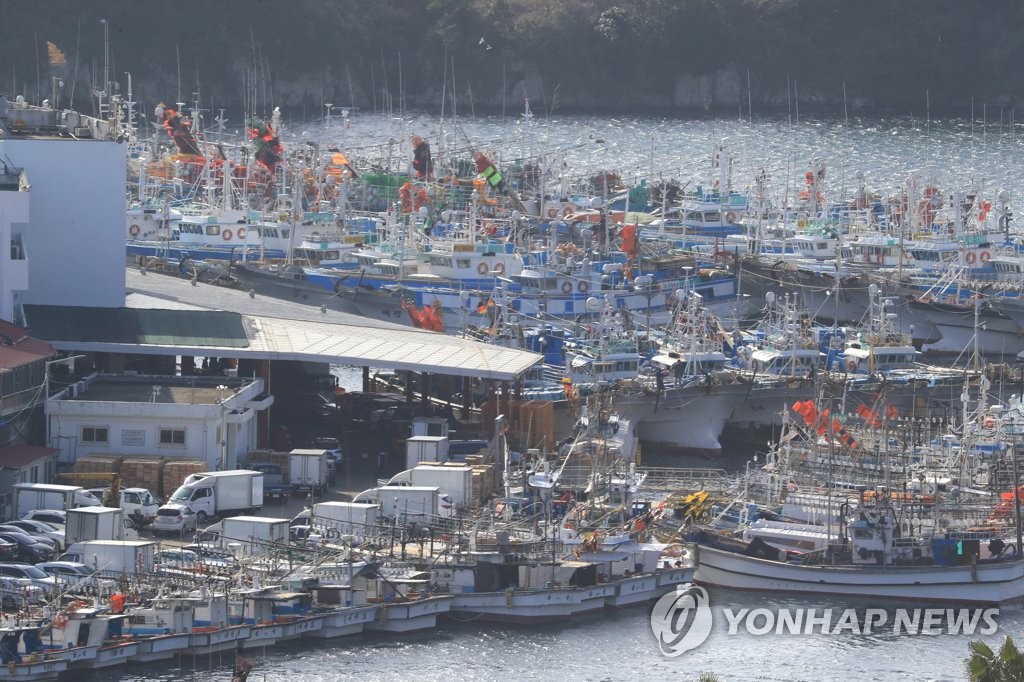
point(669, 57)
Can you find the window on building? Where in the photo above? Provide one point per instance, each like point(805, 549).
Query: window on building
point(95, 434)
point(172, 437)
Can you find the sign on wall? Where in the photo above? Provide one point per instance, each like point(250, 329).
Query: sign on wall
point(133, 437)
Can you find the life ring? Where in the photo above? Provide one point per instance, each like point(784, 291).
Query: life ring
point(567, 287)
point(985, 257)
point(60, 620)
point(730, 217)
point(240, 233)
point(499, 268)
point(583, 287)
point(970, 257)
point(552, 212)
point(879, 259)
point(226, 234)
point(134, 230)
point(567, 211)
point(482, 268)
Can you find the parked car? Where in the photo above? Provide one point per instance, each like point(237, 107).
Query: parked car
point(16, 592)
point(41, 529)
point(174, 518)
point(29, 572)
point(29, 549)
point(318, 403)
point(212, 557)
point(55, 517)
point(7, 528)
point(76, 576)
point(8, 550)
point(176, 558)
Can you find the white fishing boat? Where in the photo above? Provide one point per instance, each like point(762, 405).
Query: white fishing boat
point(872, 559)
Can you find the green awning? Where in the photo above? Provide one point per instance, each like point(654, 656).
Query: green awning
point(137, 326)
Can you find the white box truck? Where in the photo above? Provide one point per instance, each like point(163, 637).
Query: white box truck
point(409, 503)
point(358, 519)
point(29, 496)
point(220, 493)
point(117, 556)
point(425, 449)
point(98, 523)
point(456, 481)
point(253, 534)
point(307, 471)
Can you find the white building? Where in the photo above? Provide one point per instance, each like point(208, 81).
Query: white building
point(71, 234)
point(211, 419)
point(14, 202)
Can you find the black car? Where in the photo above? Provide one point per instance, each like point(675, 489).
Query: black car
point(8, 550)
point(28, 549)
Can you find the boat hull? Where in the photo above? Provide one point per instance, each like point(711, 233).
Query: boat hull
point(220, 639)
point(986, 583)
point(349, 621)
point(160, 647)
point(410, 616)
point(690, 420)
point(633, 590)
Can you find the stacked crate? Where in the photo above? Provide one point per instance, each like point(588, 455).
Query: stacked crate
point(536, 424)
point(176, 471)
point(98, 464)
point(143, 472)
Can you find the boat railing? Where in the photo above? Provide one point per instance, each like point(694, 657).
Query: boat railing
point(681, 478)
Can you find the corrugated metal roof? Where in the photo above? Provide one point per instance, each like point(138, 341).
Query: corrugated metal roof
point(17, 456)
point(208, 328)
point(17, 348)
point(281, 330)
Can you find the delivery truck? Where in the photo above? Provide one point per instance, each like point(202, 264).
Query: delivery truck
point(251, 535)
point(425, 449)
point(29, 496)
point(221, 493)
point(456, 481)
point(98, 523)
point(357, 519)
point(409, 504)
point(307, 471)
point(113, 556)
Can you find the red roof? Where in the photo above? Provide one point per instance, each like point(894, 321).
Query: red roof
point(17, 456)
point(17, 348)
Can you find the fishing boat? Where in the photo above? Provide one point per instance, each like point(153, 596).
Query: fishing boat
point(872, 559)
point(24, 657)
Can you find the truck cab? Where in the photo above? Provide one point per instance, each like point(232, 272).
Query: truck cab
point(138, 504)
point(274, 485)
point(199, 498)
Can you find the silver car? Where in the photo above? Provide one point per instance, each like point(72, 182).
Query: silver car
point(17, 592)
point(174, 518)
point(73, 576)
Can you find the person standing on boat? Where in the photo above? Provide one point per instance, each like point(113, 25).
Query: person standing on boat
point(421, 161)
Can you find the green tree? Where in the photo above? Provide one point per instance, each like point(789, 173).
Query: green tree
point(983, 665)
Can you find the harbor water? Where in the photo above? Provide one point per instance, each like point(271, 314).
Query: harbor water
point(955, 154)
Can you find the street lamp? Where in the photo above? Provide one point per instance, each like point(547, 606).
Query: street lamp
point(223, 428)
point(644, 284)
point(463, 299)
